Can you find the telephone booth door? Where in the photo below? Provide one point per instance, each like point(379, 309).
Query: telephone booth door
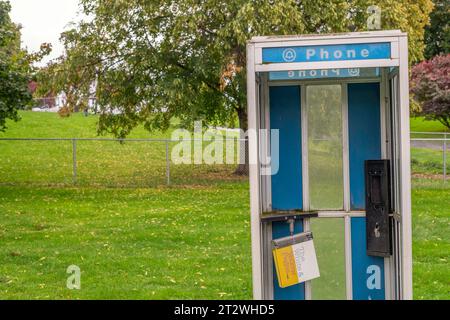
point(329, 123)
point(326, 132)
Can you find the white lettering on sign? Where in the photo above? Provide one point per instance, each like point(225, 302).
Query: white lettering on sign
point(351, 53)
point(336, 71)
point(374, 279)
point(338, 54)
point(364, 53)
point(310, 53)
point(324, 54)
point(351, 72)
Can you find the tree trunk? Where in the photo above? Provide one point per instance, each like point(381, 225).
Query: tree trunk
point(243, 166)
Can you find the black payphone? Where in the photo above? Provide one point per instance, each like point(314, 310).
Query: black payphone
point(378, 208)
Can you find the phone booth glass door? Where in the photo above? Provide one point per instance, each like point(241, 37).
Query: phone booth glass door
point(326, 188)
point(325, 156)
point(327, 130)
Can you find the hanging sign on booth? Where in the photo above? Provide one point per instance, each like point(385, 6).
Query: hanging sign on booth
point(295, 259)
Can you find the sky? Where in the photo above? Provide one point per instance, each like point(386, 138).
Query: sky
point(43, 21)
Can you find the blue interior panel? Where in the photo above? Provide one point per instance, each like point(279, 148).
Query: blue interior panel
point(285, 115)
point(367, 271)
point(364, 135)
point(364, 144)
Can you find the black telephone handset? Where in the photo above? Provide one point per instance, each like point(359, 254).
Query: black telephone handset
point(378, 231)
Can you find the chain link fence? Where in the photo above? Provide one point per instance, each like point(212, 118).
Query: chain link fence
point(429, 154)
point(149, 162)
point(112, 162)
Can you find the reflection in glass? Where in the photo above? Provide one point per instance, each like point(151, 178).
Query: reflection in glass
point(330, 250)
point(324, 110)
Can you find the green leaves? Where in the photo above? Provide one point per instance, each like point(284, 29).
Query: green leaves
point(15, 68)
point(155, 60)
point(437, 34)
point(13, 81)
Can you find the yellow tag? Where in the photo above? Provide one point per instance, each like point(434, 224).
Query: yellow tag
point(296, 263)
point(285, 266)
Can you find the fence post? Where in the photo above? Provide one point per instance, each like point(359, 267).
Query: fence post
point(167, 163)
point(74, 161)
point(445, 156)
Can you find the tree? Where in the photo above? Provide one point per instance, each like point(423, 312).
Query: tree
point(437, 34)
point(15, 68)
point(155, 60)
point(430, 86)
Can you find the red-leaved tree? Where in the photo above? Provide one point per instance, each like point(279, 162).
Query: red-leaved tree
point(430, 87)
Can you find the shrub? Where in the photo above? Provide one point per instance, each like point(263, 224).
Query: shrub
point(430, 87)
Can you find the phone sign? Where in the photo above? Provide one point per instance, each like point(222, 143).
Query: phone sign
point(358, 51)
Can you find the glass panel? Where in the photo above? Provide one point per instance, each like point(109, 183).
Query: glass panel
point(324, 108)
point(330, 249)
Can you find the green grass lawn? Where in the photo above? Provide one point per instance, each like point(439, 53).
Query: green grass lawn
point(168, 243)
point(429, 161)
point(419, 124)
point(187, 241)
point(431, 239)
point(154, 243)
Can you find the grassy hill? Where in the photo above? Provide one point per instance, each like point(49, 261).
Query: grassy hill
point(51, 125)
point(419, 124)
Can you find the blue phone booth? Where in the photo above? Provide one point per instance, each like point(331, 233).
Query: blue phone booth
point(329, 154)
